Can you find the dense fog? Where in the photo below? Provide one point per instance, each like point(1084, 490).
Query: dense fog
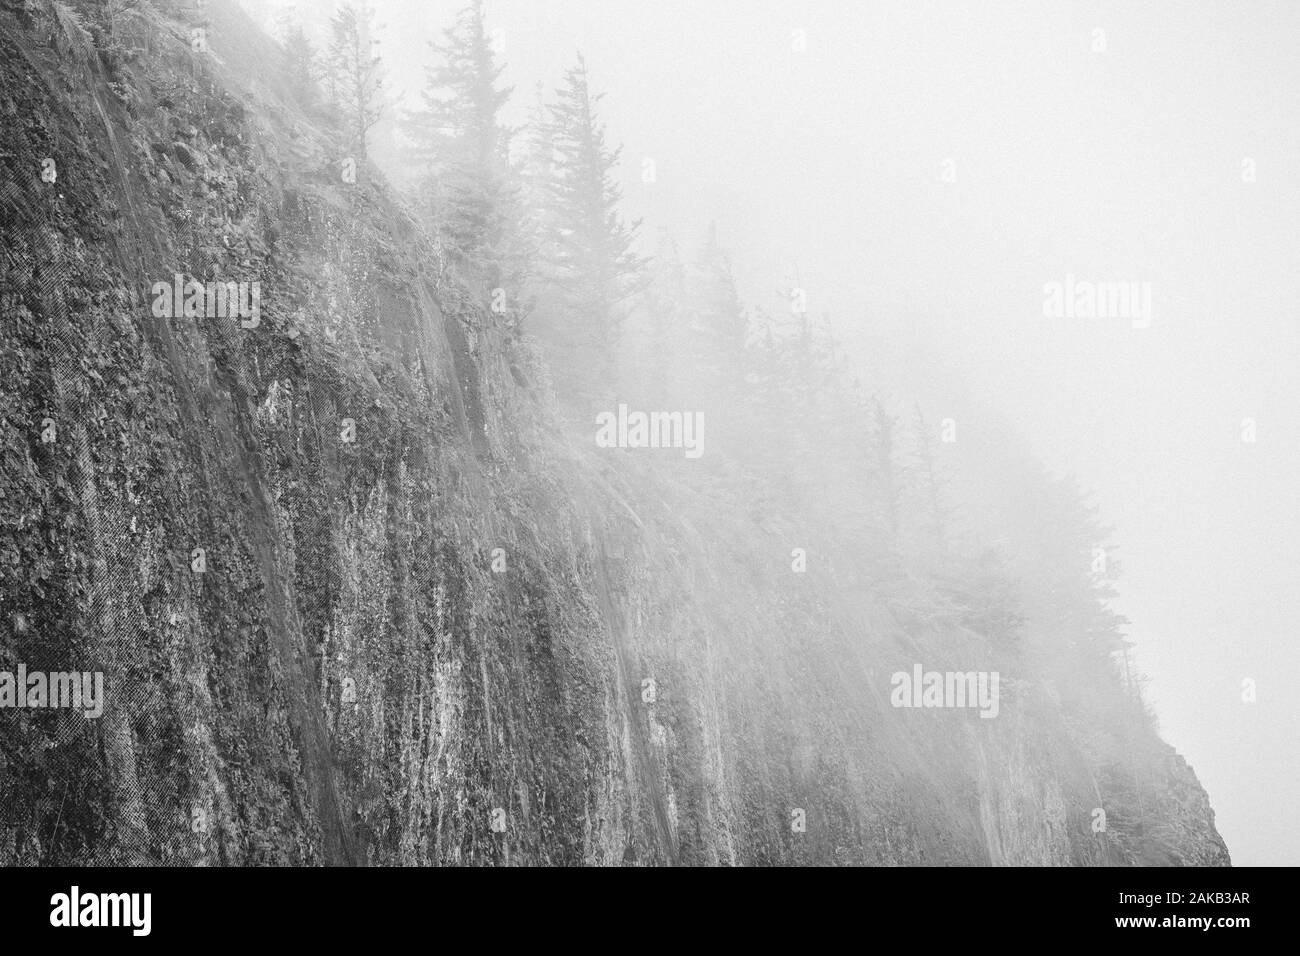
point(609, 432)
point(924, 171)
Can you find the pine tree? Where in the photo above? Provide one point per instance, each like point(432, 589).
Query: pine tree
point(301, 64)
point(716, 327)
point(456, 138)
point(697, 314)
point(355, 71)
point(665, 308)
point(536, 173)
point(590, 246)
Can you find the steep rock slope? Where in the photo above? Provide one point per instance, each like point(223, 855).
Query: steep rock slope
point(360, 597)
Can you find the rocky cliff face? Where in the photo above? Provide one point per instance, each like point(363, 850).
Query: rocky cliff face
point(361, 598)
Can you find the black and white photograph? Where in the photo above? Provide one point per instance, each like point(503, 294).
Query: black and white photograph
point(649, 434)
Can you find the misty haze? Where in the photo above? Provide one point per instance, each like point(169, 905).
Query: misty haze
point(610, 432)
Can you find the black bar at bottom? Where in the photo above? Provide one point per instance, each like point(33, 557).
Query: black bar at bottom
point(369, 906)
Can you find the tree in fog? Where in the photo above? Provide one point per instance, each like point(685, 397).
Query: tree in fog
point(665, 307)
point(535, 174)
point(716, 319)
point(589, 245)
point(456, 139)
point(696, 321)
point(301, 62)
point(355, 71)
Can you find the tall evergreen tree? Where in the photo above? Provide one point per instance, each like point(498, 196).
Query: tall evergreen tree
point(456, 138)
point(716, 324)
point(590, 246)
point(301, 63)
point(356, 72)
point(665, 309)
point(536, 172)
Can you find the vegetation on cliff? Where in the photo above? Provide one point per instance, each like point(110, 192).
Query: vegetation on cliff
point(366, 589)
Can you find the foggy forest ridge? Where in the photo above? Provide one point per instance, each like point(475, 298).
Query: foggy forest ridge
point(539, 432)
point(1125, 162)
